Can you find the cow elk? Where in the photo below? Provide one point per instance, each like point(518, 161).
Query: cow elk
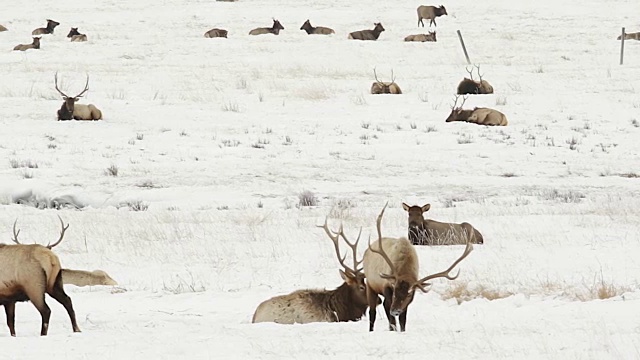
point(70, 110)
point(76, 36)
point(317, 30)
point(431, 36)
point(26, 274)
point(367, 34)
point(2, 28)
point(480, 116)
point(380, 87)
point(430, 232)
point(274, 29)
point(470, 86)
point(431, 13)
point(215, 33)
point(51, 25)
point(86, 278)
point(391, 267)
point(630, 36)
point(348, 302)
point(35, 44)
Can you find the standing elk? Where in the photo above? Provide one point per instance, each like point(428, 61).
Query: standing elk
point(391, 268)
point(27, 272)
point(86, 278)
point(431, 36)
point(630, 36)
point(76, 36)
point(367, 34)
point(470, 86)
point(274, 29)
point(348, 302)
point(480, 116)
point(70, 110)
point(2, 28)
point(431, 13)
point(215, 32)
point(430, 232)
point(318, 30)
point(51, 25)
point(380, 87)
point(35, 44)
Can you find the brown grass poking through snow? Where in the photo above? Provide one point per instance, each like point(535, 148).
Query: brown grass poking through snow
point(461, 291)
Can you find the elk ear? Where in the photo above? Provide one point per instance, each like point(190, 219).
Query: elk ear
point(348, 279)
point(426, 208)
point(405, 207)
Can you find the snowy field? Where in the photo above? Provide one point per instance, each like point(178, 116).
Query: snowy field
point(190, 188)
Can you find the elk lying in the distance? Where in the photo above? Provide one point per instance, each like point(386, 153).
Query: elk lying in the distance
point(215, 32)
point(318, 30)
point(391, 267)
point(70, 110)
point(51, 25)
point(76, 36)
point(480, 116)
point(630, 36)
point(2, 28)
point(431, 36)
point(431, 13)
point(274, 29)
point(86, 278)
point(367, 34)
point(430, 232)
point(348, 302)
point(470, 86)
point(380, 87)
point(27, 272)
point(35, 44)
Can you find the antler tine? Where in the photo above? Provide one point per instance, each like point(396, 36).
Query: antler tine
point(380, 250)
point(336, 245)
point(420, 284)
point(86, 88)
point(15, 233)
point(478, 69)
point(393, 78)
point(56, 82)
point(354, 249)
point(376, 76)
point(469, 71)
point(455, 101)
point(64, 228)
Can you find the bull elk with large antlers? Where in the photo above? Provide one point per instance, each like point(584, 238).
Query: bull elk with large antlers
point(391, 267)
point(380, 87)
point(480, 116)
point(348, 302)
point(27, 272)
point(430, 232)
point(470, 86)
point(70, 110)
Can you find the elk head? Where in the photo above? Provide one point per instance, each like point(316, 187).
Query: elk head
point(49, 246)
point(416, 220)
point(73, 31)
point(442, 10)
point(378, 27)
point(306, 25)
point(69, 101)
point(277, 26)
point(456, 112)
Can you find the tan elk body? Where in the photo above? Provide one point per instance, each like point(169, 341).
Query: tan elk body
point(51, 25)
point(274, 29)
point(470, 86)
point(27, 273)
point(430, 232)
point(70, 110)
point(380, 87)
point(86, 278)
point(76, 36)
point(35, 44)
point(630, 36)
point(367, 34)
point(316, 30)
point(2, 28)
point(431, 13)
point(431, 36)
point(480, 116)
point(215, 32)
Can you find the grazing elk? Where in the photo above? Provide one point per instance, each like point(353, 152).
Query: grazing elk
point(70, 110)
point(35, 44)
point(367, 34)
point(391, 267)
point(318, 30)
point(630, 36)
point(380, 87)
point(348, 302)
point(215, 32)
point(2, 28)
point(430, 12)
point(480, 116)
point(27, 272)
point(76, 36)
point(431, 36)
point(274, 29)
point(430, 232)
point(86, 278)
point(470, 86)
point(51, 25)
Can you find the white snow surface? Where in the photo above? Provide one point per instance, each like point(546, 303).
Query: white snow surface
point(216, 138)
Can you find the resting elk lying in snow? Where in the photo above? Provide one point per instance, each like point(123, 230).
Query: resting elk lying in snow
point(71, 110)
point(430, 232)
point(274, 29)
point(470, 86)
point(431, 13)
point(367, 34)
point(51, 25)
point(34, 45)
point(215, 32)
point(380, 87)
point(431, 36)
point(86, 278)
point(2, 28)
point(346, 303)
point(318, 30)
point(27, 272)
point(630, 36)
point(480, 116)
point(76, 36)
point(391, 268)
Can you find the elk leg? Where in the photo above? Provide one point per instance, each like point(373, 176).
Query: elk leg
point(403, 319)
point(388, 298)
point(10, 311)
point(372, 299)
point(61, 297)
point(45, 312)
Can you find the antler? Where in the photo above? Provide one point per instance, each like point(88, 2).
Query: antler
point(478, 69)
point(380, 250)
point(61, 93)
point(64, 228)
point(354, 246)
point(455, 101)
point(15, 234)
point(420, 284)
point(393, 78)
point(469, 71)
point(86, 88)
point(376, 76)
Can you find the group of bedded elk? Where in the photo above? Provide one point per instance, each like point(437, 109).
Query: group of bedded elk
point(390, 268)
point(74, 35)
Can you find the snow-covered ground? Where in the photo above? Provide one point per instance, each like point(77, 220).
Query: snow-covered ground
point(215, 139)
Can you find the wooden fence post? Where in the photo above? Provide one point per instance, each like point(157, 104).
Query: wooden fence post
point(464, 48)
point(622, 46)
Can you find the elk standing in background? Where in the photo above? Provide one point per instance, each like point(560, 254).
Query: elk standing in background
point(75, 35)
point(86, 278)
point(430, 232)
point(34, 45)
point(431, 36)
point(274, 29)
point(430, 12)
point(346, 303)
point(51, 25)
point(480, 116)
point(70, 110)
point(215, 32)
point(318, 30)
point(367, 34)
point(27, 272)
point(391, 268)
point(470, 86)
point(630, 36)
point(379, 87)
